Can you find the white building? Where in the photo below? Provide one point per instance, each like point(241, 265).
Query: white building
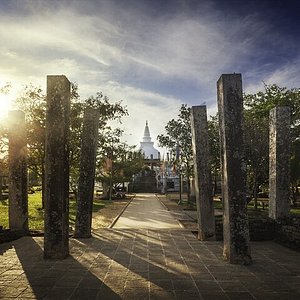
point(147, 146)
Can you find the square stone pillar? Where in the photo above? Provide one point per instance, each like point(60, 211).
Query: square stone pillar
point(17, 162)
point(279, 162)
point(202, 174)
point(235, 218)
point(89, 139)
point(56, 241)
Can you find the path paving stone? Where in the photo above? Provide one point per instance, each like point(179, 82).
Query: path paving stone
point(146, 264)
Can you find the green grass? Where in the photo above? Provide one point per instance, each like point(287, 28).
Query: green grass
point(295, 211)
point(36, 213)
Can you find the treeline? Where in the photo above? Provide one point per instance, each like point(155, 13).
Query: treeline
point(116, 160)
point(256, 139)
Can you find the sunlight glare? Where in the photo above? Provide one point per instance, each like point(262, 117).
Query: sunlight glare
point(5, 105)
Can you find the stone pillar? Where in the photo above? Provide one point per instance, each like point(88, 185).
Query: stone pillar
point(279, 162)
point(89, 141)
point(203, 182)
point(56, 241)
point(235, 218)
point(18, 194)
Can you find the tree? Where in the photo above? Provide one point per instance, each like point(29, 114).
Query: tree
point(256, 114)
point(117, 161)
point(256, 136)
point(4, 90)
point(214, 148)
point(178, 135)
point(33, 102)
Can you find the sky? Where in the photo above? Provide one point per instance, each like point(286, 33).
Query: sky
point(154, 55)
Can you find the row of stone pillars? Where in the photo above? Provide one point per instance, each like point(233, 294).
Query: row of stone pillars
point(230, 105)
point(56, 214)
point(233, 169)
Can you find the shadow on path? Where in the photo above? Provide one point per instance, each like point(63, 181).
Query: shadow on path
point(29, 275)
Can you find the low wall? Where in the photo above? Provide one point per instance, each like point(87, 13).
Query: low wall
point(261, 229)
point(285, 232)
point(288, 232)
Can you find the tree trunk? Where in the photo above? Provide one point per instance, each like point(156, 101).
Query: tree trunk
point(105, 194)
point(188, 191)
point(43, 184)
point(215, 187)
point(255, 190)
point(294, 195)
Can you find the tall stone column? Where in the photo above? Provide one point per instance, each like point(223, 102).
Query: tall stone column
point(18, 194)
point(203, 182)
point(235, 219)
point(56, 241)
point(89, 141)
point(279, 162)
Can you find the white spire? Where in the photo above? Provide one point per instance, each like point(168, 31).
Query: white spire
point(147, 145)
point(147, 137)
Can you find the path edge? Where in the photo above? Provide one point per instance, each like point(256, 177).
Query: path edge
point(119, 215)
point(178, 221)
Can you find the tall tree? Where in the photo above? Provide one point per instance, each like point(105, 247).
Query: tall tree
point(32, 102)
point(257, 108)
point(117, 161)
point(178, 136)
point(214, 147)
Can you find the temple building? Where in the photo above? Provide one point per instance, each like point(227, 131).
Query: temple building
point(148, 180)
point(157, 176)
point(147, 146)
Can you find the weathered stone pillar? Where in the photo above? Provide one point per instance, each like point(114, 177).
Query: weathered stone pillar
point(203, 182)
point(89, 141)
point(56, 242)
point(18, 196)
point(279, 162)
point(235, 218)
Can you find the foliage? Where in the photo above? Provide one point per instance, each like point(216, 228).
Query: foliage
point(117, 161)
point(256, 136)
point(214, 148)
point(257, 108)
point(33, 103)
point(107, 111)
point(3, 130)
point(262, 102)
point(179, 137)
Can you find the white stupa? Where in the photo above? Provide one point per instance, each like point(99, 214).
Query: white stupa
point(147, 145)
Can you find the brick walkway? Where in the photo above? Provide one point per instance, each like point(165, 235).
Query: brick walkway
point(146, 264)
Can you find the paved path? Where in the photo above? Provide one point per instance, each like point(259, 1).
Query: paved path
point(146, 211)
point(146, 264)
point(140, 263)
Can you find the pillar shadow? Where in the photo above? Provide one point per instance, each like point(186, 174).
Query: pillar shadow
point(30, 275)
point(142, 268)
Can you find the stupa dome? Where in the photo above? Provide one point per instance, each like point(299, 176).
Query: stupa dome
point(147, 145)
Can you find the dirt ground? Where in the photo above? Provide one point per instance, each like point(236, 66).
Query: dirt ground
point(105, 216)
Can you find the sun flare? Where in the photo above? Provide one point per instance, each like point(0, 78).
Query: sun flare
point(5, 105)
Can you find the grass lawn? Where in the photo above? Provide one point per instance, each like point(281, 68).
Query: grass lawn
point(36, 213)
point(260, 212)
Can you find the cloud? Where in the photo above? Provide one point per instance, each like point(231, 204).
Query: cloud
point(155, 55)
